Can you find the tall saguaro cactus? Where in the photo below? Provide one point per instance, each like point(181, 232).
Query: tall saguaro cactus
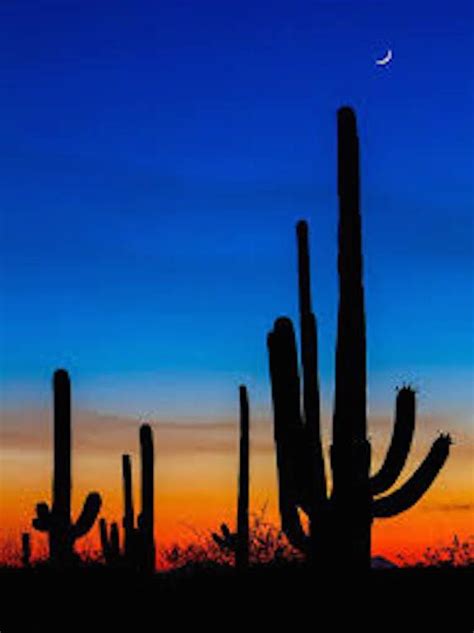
point(139, 544)
point(339, 522)
point(57, 521)
point(238, 542)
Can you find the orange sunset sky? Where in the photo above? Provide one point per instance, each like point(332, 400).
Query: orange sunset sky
point(156, 159)
point(195, 476)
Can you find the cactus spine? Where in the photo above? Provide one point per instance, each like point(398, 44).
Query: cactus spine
point(138, 542)
point(238, 542)
point(57, 520)
point(345, 516)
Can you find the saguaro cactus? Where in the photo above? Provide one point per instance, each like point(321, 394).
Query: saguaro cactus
point(147, 517)
point(344, 517)
point(238, 542)
point(110, 543)
point(139, 545)
point(57, 520)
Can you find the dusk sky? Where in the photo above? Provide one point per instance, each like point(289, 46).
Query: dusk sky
point(155, 158)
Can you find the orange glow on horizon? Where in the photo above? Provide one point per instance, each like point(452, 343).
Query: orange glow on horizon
point(196, 478)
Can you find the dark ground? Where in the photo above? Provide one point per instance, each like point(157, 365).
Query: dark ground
point(103, 600)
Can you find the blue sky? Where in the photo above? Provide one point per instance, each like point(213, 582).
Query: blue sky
point(155, 157)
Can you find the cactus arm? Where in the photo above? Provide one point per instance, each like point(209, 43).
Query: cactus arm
point(227, 541)
point(128, 516)
point(288, 428)
point(115, 540)
point(219, 541)
point(289, 432)
point(412, 491)
point(309, 360)
point(88, 515)
point(400, 444)
point(128, 520)
point(42, 521)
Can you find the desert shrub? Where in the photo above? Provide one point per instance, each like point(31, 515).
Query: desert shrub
point(267, 545)
point(458, 553)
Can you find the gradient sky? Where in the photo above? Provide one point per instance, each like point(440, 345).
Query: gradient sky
point(155, 157)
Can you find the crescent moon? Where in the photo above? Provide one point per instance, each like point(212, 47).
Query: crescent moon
point(384, 61)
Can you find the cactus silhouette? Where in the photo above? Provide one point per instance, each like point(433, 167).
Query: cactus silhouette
point(25, 549)
point(238, 542)
point(110, 542)
point(344, 517)
point(56, 521)
point(138, 542)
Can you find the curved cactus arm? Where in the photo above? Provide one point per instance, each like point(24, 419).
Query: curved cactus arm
point(42, 521)
point(412, 491)
point(226, 531)
point(88, 515)
point(400, 444)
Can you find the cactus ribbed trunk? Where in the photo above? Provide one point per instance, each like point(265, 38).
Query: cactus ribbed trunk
point(242, 547)
point(350, 453)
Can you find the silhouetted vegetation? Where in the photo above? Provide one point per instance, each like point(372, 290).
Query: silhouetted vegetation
point(238, 542)
point(344, 516)
point(264, 565)
point(268, 545)
point(56, 521)
point(458, 553)
point(138, 551)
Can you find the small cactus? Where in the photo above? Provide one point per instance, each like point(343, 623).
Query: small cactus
point(56, 521)
point(110, 542)
point(238, 542)
point(138, 551)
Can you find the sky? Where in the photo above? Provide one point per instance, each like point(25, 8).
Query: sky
point(155, 158)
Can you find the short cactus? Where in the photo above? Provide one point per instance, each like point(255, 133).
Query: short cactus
point(238, 542)
point(56, 521)
point(138, 543)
